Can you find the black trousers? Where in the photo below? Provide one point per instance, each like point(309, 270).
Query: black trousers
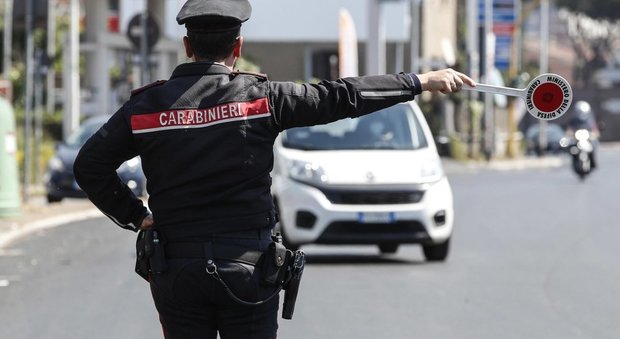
point(192, 304)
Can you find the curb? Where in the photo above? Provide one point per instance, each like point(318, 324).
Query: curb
point(454, 166)
point(16, 230)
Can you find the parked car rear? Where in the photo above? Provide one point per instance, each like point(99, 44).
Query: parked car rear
point(59, 179)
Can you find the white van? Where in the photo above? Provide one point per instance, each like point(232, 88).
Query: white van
point(377, 180)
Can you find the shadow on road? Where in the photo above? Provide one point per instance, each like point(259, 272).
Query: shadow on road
point(354, 259)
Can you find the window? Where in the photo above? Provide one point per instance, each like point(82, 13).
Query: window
point(393, 128)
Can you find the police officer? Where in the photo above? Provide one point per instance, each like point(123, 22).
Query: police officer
point(205, 137)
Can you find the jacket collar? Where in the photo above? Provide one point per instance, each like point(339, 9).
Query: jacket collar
point(199, 68)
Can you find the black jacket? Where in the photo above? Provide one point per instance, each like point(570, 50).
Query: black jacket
point(206, 138)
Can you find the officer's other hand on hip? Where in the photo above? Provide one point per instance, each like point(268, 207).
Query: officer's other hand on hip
point(147, 222)
point(444, 81)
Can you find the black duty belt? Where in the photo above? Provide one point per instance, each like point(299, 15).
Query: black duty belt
point(239, 225)
point(220, 251)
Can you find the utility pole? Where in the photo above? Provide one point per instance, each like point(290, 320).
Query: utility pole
point(415, 36)
point(38, 113)
point(51, 50)
point(144, 47)
point(513, 70)
point(375, 46)
point(473, 51)
point(28, 100)
point(544, 36)
point(72, 72)
point(489, 50)
point(544, 66)
point(8, 38)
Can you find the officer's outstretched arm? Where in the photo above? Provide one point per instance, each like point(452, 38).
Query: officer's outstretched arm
point(296, 105)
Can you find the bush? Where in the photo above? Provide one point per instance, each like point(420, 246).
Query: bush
point(458, 148)
point(51, 135)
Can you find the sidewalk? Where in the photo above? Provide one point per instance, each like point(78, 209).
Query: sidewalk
point(524, 162)
point(37, 214)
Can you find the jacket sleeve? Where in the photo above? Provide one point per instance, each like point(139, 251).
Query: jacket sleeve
point(95, 172)
point(296, 105)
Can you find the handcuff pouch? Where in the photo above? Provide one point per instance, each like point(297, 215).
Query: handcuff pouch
point(272, 264)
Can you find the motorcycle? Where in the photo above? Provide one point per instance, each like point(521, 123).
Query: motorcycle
point(580, 147)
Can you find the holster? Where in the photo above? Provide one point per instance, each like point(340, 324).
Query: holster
point(150, 255)
point(296, 263)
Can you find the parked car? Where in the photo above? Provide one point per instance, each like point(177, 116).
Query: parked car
point(374, 180)
point(608, 77)
point(59, 179)
point(554, 133)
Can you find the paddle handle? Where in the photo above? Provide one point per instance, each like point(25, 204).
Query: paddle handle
point(514, 92)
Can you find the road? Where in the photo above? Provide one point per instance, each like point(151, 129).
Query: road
point(534, 255)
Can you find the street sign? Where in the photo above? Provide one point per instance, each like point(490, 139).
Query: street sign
point(504, 21)
point(135, 31)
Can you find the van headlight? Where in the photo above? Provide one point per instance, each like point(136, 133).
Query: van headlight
point(306, 172)
point(431, 171)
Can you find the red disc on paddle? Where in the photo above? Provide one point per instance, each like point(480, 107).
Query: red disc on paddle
point(548, 97)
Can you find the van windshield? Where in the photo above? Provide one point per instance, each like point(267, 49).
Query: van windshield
point(393, 128)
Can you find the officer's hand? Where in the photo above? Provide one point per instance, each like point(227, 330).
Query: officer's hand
point(147, 222)
point(444, 81)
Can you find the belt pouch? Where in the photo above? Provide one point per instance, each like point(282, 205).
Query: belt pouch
point(273, 264)
point(143, 253)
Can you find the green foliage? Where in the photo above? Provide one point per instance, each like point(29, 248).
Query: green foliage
point(51, 123)
point(598, 9)
point(17, 76)
point(51, 135)
point(432, 118)
point(244, 64)
point(458, 148)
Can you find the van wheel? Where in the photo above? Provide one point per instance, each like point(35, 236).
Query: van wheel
point(388, 248)
point(437, 252)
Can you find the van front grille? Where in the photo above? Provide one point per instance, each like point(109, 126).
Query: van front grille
point(371, 197)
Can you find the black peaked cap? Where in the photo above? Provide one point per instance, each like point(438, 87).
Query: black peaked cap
point(214, 11)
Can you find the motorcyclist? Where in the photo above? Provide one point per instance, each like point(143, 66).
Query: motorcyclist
point(583, 118)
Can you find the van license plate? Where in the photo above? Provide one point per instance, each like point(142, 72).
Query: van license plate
point(376, 217)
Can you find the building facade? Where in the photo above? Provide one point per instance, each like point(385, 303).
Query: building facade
point(287, 39)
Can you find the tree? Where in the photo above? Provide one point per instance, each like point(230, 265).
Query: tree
point(594, 28)
point(597, 9)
